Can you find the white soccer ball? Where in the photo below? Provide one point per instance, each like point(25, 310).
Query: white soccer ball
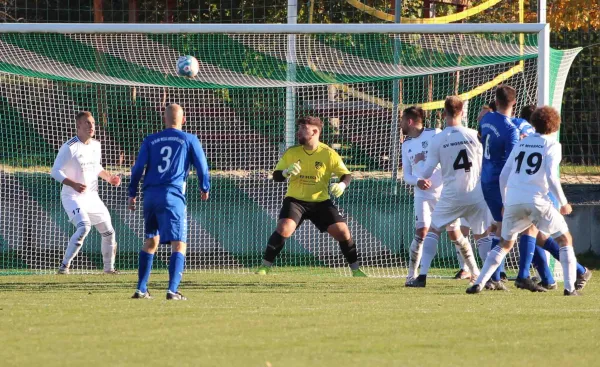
point(187, 66)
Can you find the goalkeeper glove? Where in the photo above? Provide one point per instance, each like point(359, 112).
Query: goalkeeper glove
point(292, 170)
point(337, 189)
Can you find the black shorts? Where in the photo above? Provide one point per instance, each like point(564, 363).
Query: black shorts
point(322, 213)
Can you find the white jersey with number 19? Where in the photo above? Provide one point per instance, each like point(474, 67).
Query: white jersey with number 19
point(458, 151)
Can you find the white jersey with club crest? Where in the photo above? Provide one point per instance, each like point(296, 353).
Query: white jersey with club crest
point(412, 171)
point(459, 153)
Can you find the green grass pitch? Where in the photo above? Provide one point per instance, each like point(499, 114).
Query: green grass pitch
point(289, 319)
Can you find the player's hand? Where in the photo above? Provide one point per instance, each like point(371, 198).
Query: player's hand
point(566, 209)
point(79, 187)
point(292, 170)
point(203, 196)
point(115, 180)
point(337, 189)
point(424, 184)
point(419, 157)
point(131, 204)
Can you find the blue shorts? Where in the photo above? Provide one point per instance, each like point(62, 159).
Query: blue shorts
point(493, 199)
point(165, 215)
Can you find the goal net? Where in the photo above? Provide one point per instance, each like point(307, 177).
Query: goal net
point(241, 105)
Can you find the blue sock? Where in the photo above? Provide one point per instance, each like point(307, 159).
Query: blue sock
point(496, 274)
point(541, 264)
point(176, 265)
point(145, 266)
point(552, 247)
point(526, 251)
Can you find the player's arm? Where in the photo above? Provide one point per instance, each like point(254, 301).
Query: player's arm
point(111, 179)
point(201, 164)
point(433, 158)
point(138, 170)
point(506, 170)
point(283, 171)
point(340, 170)
point(511, 140)
point(554, 156)
point(407, 173)
point(58, 173)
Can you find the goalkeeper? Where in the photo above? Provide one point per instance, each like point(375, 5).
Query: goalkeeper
point(308, 167)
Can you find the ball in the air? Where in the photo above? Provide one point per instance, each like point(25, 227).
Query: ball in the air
point(187, 66)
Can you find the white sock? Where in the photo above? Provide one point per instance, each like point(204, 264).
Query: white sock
point(75, 242)
point(429, 249)
point(109, 250)
point(568, 261)
point(416, 250)
point(461, 261)
point(463, 245)
point(492, 262)
point(484, 245)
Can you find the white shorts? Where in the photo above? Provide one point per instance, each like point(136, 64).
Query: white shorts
point(475, 214)
point(88, 206)
point(544, 216)
point(423, 213)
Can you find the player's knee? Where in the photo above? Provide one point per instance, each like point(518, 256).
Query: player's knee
point(178, 246)
point(83, 229)
point(564, 239)
point(339, 231)
point(421, 232)
point(286, 227)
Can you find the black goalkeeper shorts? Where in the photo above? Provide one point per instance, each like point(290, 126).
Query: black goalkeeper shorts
point(322, 213)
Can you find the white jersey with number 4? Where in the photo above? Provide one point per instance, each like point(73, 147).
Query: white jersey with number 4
point(458, 151)
point(78, 162)
point(412, 171)
point(531, 172)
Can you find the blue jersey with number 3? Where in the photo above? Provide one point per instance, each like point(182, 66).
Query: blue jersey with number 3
point(498, 136)
point(167, 157)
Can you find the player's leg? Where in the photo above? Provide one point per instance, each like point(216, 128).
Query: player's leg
point(327, 218)
point(493, 199)
point(176, 267)
point(290, 217)
point(463, 246)
point(172, 226)
point(423, 209)
point(463, 272)
point(526, 255)
point(516, 220)
point(151, 241)
point(549, 220)
point(549, 244)
point(100, 218)
point(82, 223)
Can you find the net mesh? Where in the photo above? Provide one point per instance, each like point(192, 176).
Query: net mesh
point(237, 105)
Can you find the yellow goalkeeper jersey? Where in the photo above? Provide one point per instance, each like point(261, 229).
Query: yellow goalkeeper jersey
point(317, 166)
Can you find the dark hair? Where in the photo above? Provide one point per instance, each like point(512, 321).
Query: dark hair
point(505, 96)
point(545, 120)
point(492, 105)
point(453, 106)
point(83, 114)
point(526, 112)
point(310, 120)
point(414, 113)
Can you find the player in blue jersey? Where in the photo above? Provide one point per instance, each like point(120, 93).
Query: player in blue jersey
point(166, 157)
point(531, 236)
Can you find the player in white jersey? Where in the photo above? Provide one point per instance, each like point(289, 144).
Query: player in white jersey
point(77, 167)
point(458, 152)
point(530, 173)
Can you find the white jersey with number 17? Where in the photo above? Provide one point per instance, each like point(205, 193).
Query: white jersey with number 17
point(459, 153)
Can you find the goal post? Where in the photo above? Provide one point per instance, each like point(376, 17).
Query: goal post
point(238, 106)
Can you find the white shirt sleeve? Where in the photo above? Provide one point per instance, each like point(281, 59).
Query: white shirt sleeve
point(99, 168)
point(433, 158)
point(409, 178)
point(63, 157)
point(553, 159)
point(508, 166)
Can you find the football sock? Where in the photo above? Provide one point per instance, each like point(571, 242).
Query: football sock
point(496, 274)
point(429, 249)
point(416, 251)
point(463, 245)
point(493, 261)
point(568, 262)
point(540, 263)
point(552, 247)
point(144, 269)
point(461, 261)
point(526, 251)
point(76, 241)
point(176, 265)
point(274, 247)
point(348, 249)
point(484, 245)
